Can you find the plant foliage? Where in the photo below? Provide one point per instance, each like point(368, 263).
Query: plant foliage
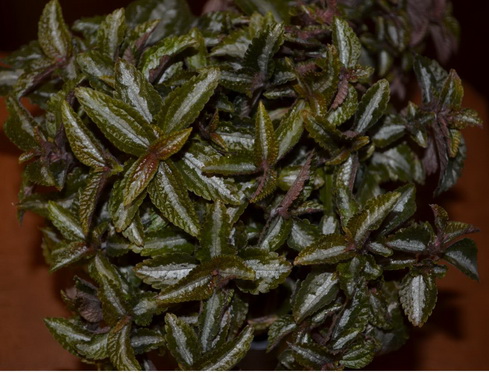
point(250, 172)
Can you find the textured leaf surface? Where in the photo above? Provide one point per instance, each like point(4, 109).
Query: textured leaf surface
point(173, 202)
point(418, 295)
point(183, 105)
point(54, 36)
point(119, 346)
point(119, 122)
point(215, 233)
point(372, 106)
point(346, 42)
point(66, 222)
point(266, 148)
point(332, 248)
point(316, 291)
point(463, 255)
point(181, 341)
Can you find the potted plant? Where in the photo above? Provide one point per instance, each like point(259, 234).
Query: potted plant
point(242, 180)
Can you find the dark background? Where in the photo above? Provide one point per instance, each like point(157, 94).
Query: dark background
point(455, 337)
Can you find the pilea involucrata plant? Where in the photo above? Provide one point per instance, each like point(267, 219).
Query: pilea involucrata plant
point(243, 178)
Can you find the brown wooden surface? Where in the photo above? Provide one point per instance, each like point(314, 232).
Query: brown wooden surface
point(454, 338)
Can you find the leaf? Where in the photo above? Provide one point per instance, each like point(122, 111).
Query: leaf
point(166, 146)
point(122, 215)
point(211, 316)
point(430, 77)
point(112, 290)
point(463, 255)
point(359, 355)
point(133, 88)
point(229, 354)
point(270, 269)
point(97, 66)
point(303, 234)
point(138, 177)
point(66, 223)
point(145, 340)
point(372, 216)
point(154, 58)
point(413, 239)
point(120, 123)
point(68, 333)
point(346, 110)
point(266, 148)
point(121, 353)
point(182, 341)
point(53, 34)
point(173, 201)
point(452, 92)
point(86, 147)
point(281, 327)
point(402, 210)
point(290, 130)
point(111, 32)
point(167, 241)
point(216, 231)
point(67, 253)
point(213, 188)
point(200, 282)
point(278, 8)
point(317, 291)
point(311, 355)
point(96, 349)
point(418, 295)
point(372, 106)
point(329, 249)
point(275, 233)
point(165, 270)
point(346, 42)
point(20, 126)
point(184, 104)
point(236, 164)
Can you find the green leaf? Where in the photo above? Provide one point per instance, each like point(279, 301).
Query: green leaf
point(453, 170)
point(86, 147)
point(463, 255)
point(372, 216)
point(452, 92)
point(166, 146)
point(281, 327)
point(53, 34)
point(317, 291)
point(182, 341)
point(402, 210)
point(372, 106)
point(145, 10)
point(418, 295)
point(266, 148)
point(138, 177)
point(329, 249)
point(20, 126)
point(191, 166)
point(96, 349)
point(111, 33)
point(227, 355)
point(154, 58)
point(359, 355)
point(121, 353)
point(68, 333)
point(346, 110)
point(352, 321)
point(278, 8)
point(236, 164)
point(210, 318)
point(134, 89)
point(184, 104)
point(216, 232)
point(120, 123)
point(311, 355)
point(67, 253)
point(167, 241)
point(413, 239)
point(346, 42)
point(290, 130)
point(430, 77)
point(165, 270)
point(97, 66)
point(174, 203)
point(122, 215)
point(200, 282)
point(270, 269)
point(145, 340)
point(303, 234)
point(66, 223)
point(112, 290)
point(276, 233)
